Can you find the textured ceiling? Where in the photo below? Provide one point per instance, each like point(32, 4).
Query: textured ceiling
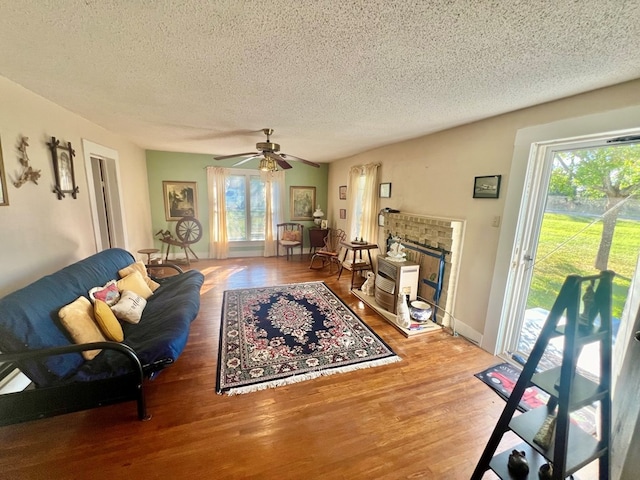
point(332, 77)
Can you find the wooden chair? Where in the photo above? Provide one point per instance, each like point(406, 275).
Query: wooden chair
point(330, 253)
point(289, 236)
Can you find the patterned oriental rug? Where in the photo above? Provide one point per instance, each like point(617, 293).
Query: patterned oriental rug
point(274, 336)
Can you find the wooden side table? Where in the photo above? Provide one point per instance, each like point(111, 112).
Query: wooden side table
point(357, 264)
point(148, 252)
point(316, 238)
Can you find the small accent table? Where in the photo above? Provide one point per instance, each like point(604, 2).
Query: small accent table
point(316, 238)
point(357, 264)
point(148, 252)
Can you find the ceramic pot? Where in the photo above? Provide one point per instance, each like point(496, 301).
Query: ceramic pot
point(420, 311)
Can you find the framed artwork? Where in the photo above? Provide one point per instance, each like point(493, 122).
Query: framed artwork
point(180, 199)
point(4, 195)
point(302, 201)
point(324, 224)
point(63, 167)
point(487, 186)
point(343, 213)
point(385, 190)
point(342, 189)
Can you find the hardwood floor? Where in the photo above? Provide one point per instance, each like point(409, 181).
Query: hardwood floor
point(424, 417)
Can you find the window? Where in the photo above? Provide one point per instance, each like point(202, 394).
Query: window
point(246, 207)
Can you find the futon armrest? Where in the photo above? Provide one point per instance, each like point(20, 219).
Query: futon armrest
point(151, 267)
point(48, 352)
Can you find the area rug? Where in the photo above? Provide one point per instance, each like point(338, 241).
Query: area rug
point(274, 336)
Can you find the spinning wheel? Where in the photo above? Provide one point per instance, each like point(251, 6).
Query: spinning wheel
point(188, 231)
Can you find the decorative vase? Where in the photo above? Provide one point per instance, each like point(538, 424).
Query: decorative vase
point(403, 317)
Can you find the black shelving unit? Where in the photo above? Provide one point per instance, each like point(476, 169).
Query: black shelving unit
point(571, 447)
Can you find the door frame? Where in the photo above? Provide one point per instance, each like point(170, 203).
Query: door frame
point(618, 122)
point(91, 149)
point(530, 217)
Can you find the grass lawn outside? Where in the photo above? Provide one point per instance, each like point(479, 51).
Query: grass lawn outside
point(556, 259)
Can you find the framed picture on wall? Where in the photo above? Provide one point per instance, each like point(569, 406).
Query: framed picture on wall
point(487, 186)
point(180, 199)
point(62, 156)
point(343, 213)
point(385, 190)
point(302, 201)
point(342, 192)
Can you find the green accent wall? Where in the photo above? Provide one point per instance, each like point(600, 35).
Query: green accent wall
point(191, 167)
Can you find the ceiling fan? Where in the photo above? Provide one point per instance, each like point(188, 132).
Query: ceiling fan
point(268, 154)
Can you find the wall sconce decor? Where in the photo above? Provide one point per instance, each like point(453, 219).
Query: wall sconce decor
point(487, 187)
point(63, 166)
point(385, 190)
point(28, 173)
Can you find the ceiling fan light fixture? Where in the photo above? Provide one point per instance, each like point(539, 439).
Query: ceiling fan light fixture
point(268, 165)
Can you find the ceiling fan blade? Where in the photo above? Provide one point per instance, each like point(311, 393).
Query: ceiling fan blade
point(307, 162)
point(281, 161)
point(224, 157)
point(254, 156)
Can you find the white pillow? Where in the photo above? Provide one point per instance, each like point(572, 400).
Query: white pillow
point(129, 308)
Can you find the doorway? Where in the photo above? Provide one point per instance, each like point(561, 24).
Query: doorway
point(581, 215)
point(102, 168)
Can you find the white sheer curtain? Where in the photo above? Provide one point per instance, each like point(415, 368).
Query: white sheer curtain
point(218, 241)
point(274, 189)
point(363, 203)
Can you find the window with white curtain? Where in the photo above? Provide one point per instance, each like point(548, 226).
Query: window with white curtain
point(245, 199)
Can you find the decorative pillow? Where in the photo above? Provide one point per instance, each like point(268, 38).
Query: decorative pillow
point(291, 235)
point(108, 322)
point(135, 283)
point(139, 267)
point(77, 318)
point(130, 307)
point(109, 294)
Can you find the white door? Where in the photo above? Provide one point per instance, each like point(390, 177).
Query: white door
point(571, 229)
point(102, 169)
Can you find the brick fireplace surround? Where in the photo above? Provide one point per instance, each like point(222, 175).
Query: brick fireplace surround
point(441, 234)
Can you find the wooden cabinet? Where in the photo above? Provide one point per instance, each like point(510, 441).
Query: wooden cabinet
point(393, 278)
point(316, 238)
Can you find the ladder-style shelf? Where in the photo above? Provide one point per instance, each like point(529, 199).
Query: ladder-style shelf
point(571, 448)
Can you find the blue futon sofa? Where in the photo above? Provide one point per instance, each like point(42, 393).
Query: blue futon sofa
point(33, 339)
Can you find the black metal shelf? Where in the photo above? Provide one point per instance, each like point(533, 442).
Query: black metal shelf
point(571, 447)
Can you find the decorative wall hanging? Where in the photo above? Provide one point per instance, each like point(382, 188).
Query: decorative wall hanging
point(28, 173)
point(343, 213)
point(63, 167)
point(301, 202)
point(343, 192)
point(487, 187)
point(4, 196)
point(180, 199)
point(385, 190)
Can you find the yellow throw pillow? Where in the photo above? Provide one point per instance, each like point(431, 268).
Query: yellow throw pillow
point(139, 267)
point(77, 318)
point(108, 322)
point(136, 284)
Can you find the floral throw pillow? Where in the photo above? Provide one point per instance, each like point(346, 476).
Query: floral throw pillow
point(109, 293)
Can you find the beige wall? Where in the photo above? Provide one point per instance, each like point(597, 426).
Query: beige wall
point(433, 175)
point(39, 233)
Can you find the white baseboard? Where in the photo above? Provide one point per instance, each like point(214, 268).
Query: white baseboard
point(467, 332)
